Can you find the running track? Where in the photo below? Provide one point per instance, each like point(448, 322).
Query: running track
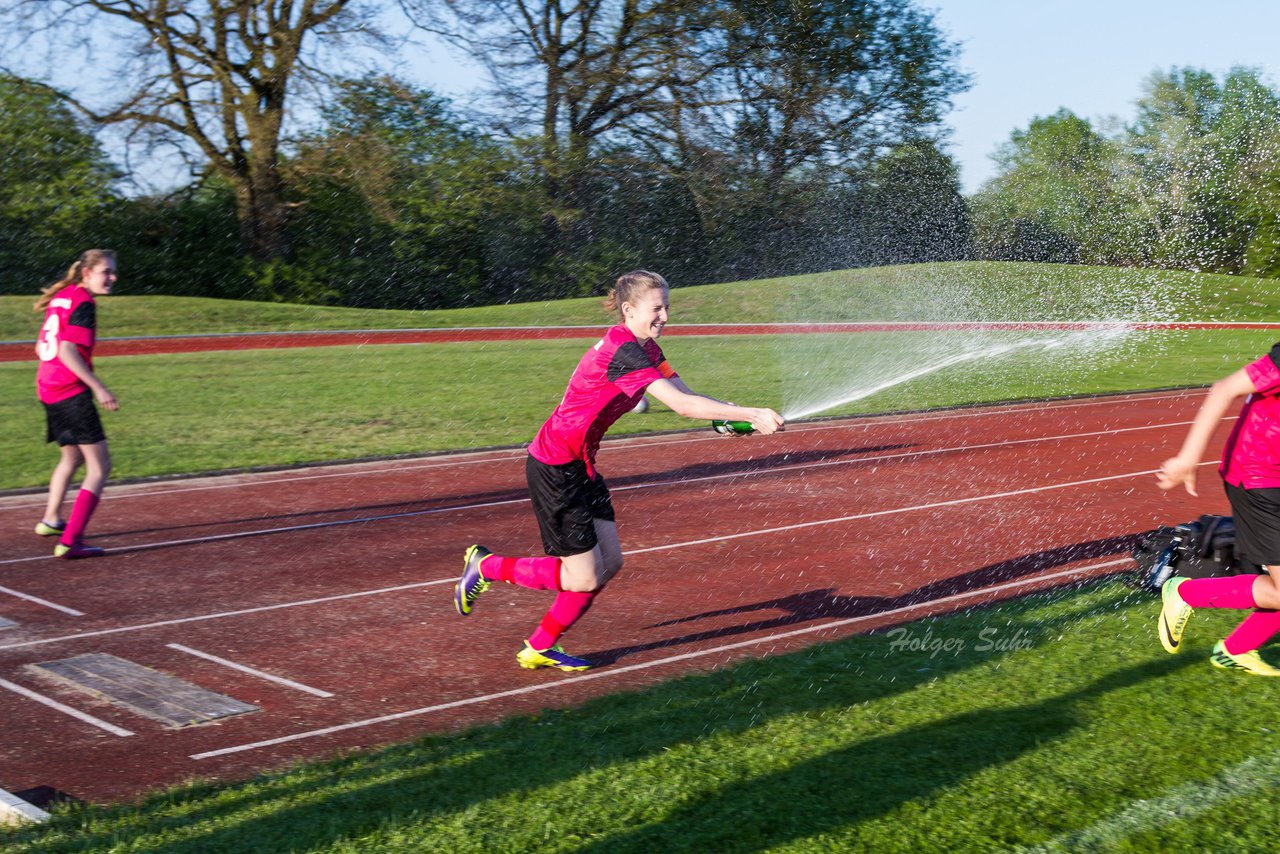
point(22, 351)
point(338, 580)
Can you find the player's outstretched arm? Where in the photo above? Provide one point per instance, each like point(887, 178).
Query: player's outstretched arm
point(689, 404)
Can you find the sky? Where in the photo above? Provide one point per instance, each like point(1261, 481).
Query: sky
point(1030, 58)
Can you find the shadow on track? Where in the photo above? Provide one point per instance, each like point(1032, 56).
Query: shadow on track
point(826, 604)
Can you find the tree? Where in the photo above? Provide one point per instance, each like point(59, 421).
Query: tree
point(402, 205)
point(213, 78)
point(911, 207)
point(55, 185)
point(1053, 197)
point(1196, 153)
point(731, 96)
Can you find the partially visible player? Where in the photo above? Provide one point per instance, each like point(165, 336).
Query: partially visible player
point(67, 386)
point(570, 498)
point(1250, 471)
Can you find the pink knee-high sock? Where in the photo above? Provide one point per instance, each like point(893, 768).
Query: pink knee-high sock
point(81, 511)
point(564, 612)
point(1234, 591)
point(536, 573)
point(1256, 630)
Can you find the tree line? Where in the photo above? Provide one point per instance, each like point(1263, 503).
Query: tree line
point(712, 140)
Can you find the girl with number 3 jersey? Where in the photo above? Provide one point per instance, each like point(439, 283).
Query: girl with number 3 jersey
point(569, 497)
point(67, 386)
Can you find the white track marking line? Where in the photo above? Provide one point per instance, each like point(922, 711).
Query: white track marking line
point(279, 680)
point(618, 444)
point(877, 513)
point(54, 704)
point(618, 671)
point(45, 602)
point(452, 579)
point(234, 535)
point(178, 621)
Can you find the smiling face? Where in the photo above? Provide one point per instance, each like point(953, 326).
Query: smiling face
point(99, 277)
point(648, 314)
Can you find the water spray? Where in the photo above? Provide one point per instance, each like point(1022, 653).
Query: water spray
point(1091, 337)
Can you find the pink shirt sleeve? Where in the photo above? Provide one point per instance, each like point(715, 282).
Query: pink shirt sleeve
point(1265, 375)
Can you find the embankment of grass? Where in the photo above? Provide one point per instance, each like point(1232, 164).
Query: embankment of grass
point(952, 291)
point(1052, 723)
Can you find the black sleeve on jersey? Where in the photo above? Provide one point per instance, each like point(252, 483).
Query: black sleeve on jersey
point(85, 315)
point(628, 358)
point(1275, 354)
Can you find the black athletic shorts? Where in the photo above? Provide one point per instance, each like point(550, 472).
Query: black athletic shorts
point(1257, 518)
point(567, 502)
point(74, 421)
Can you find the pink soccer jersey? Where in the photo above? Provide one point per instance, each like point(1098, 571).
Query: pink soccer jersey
point(71, 316)
point(1251, 457)
point(606, 385)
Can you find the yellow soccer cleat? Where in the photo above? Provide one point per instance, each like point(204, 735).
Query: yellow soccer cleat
point(1174, 614)
point(1249, 662)
point(531, 659)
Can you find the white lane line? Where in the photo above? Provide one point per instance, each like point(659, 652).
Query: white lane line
point(451, 580)
point(235, 535)
point(45, 602)
point(234, 481)
point(1180, 804)
point(54, 704)
point(223, 614)
point(279, 680)
point(618, 671)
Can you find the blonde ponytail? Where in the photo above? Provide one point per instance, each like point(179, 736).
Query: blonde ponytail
point(75, 274)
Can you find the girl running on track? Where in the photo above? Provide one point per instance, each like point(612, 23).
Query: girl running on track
point(1250, 472)
point(67, 386)
point(570, 499)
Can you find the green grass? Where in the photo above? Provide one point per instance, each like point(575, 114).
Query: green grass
point(226, 410)
point(1060, 723)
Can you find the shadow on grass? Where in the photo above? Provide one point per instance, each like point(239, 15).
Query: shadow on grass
point(418, 791)
point(826, 604)
point(842, 788)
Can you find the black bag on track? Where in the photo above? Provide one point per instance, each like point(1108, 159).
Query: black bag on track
point(1199, 549)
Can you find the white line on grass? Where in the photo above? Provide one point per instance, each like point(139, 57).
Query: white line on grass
point(618, 671)
point(1245, 779)
point(45, 602)
point(279, 680)
point(774, 470)
point(54, 704)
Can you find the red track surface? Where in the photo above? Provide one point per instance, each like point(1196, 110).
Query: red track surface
point(22, 351)
point(341, 578)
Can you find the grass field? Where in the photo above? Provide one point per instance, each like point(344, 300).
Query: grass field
point(1029, 733)
point(1077, 733)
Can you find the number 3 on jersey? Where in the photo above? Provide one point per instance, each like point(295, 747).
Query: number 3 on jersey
point(47, 346)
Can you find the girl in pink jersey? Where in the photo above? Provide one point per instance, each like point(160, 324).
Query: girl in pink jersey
point(570, 498)
point(1250, 470)
point(67, 386)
